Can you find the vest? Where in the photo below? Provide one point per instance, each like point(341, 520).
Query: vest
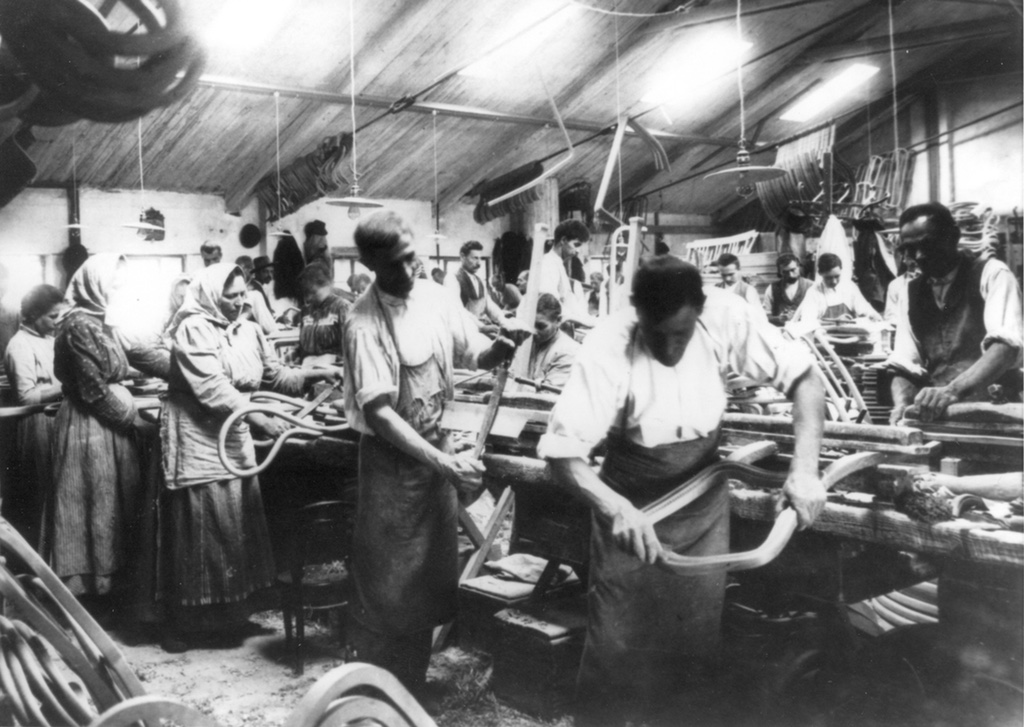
point(950, 338)
point(467, 287)
point(781, 304)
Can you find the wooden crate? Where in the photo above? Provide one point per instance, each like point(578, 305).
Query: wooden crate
point(537, 655)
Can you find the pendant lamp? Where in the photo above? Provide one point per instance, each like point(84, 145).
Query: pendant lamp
point(277, 157)
point(744, 175)
point(354, 201)
point(435, 210)
point(150, 224)
point(77, 212)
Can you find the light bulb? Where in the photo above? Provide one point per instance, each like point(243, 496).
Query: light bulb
point(353, 213)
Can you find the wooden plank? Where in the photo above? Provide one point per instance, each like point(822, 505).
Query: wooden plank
point(882, 526)
point(927, 449)
point(852, 432)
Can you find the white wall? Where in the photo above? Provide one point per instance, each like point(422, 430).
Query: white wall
point(457, 225)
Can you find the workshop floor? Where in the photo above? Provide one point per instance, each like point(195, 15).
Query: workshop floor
point(252, 682)
point(776, 673)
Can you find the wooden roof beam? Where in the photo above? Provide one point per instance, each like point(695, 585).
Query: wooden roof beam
point(443, 109)
point(954, 33)
point(727, 11)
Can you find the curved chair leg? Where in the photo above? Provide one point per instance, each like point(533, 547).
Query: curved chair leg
point(152, 712)
point(336, 683)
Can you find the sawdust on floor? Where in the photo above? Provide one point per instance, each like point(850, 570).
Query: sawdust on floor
point(253, 682)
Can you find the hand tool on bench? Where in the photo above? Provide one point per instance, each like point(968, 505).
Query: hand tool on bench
point(783, 529)
point(536, 384)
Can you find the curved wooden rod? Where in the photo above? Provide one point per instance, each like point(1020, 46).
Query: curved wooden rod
point(783, 529)
point(339, 682)
point(270, 403)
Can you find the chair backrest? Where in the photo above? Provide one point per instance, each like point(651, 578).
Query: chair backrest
point(320, 534)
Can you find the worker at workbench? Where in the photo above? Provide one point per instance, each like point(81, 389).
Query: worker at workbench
point(650, 382)
point(402, 338)
point(959, 326)
point(553, 350)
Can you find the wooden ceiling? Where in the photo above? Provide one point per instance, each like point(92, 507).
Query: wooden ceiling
point(221, 139)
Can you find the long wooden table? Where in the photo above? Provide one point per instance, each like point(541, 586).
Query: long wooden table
point(878, 524)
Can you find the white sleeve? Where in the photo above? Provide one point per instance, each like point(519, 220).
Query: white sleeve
point(1003, 321)
point(905, 353)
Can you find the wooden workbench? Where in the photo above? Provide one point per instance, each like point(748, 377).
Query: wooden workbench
point(877, 524)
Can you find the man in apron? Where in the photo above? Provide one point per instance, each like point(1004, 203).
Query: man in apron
point(958, 327)
point(402, 339)
point(650, 381)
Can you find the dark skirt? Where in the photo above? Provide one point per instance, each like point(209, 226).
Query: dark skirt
point(218, 551)
point(96, 476)
point(25, 494)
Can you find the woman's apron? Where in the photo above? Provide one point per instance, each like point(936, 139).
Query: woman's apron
point(405, 548)
point(650, 631)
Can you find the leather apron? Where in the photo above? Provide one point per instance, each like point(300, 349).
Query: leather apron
point(650, 632)
point(405, 548)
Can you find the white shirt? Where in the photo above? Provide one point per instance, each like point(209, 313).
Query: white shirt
point(553, 278)
point(1003, 320)
point(750, 295)
point(615, 373)
point(430, 322)
point(821, 297)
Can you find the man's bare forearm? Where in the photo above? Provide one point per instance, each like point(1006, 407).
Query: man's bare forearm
point(996, 359)
point(583, 483)
point(808, 423)
point(390, 427)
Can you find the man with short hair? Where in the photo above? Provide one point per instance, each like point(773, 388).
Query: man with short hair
point(959, 327)
point(733, 282)
point(315, 248)
point(403, 337)
point(648, 381)
point(472, 290)
point(553, 351)
point(784, 296)
point(831, 298)
point(554, 278)
point(256, 307)
point(211, 252)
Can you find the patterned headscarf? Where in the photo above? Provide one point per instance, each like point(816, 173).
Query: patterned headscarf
point(92, 285)
point(204, 294)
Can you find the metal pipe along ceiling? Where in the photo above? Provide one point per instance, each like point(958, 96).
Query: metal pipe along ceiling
point(428, 107)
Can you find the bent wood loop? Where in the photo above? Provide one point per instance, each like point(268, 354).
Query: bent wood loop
point(285, 407)
point(339, 683)
point(783, 529)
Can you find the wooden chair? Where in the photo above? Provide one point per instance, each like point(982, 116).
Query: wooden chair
point(317, 574)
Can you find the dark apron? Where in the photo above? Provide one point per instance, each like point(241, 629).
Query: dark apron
point(839, 310)
point(650, 632)
point(405, 548)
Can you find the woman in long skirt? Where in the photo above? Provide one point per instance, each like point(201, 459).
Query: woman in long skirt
point(218, 549)
point(96, 470)
point(29, 364)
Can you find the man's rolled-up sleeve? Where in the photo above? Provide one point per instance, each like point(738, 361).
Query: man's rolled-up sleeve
point(368, 374)
point(758, 351)
point(1003, 320)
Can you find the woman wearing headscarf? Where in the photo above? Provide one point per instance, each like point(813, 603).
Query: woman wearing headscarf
point(96, 467)
point(29, 363)
point(218, 549)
